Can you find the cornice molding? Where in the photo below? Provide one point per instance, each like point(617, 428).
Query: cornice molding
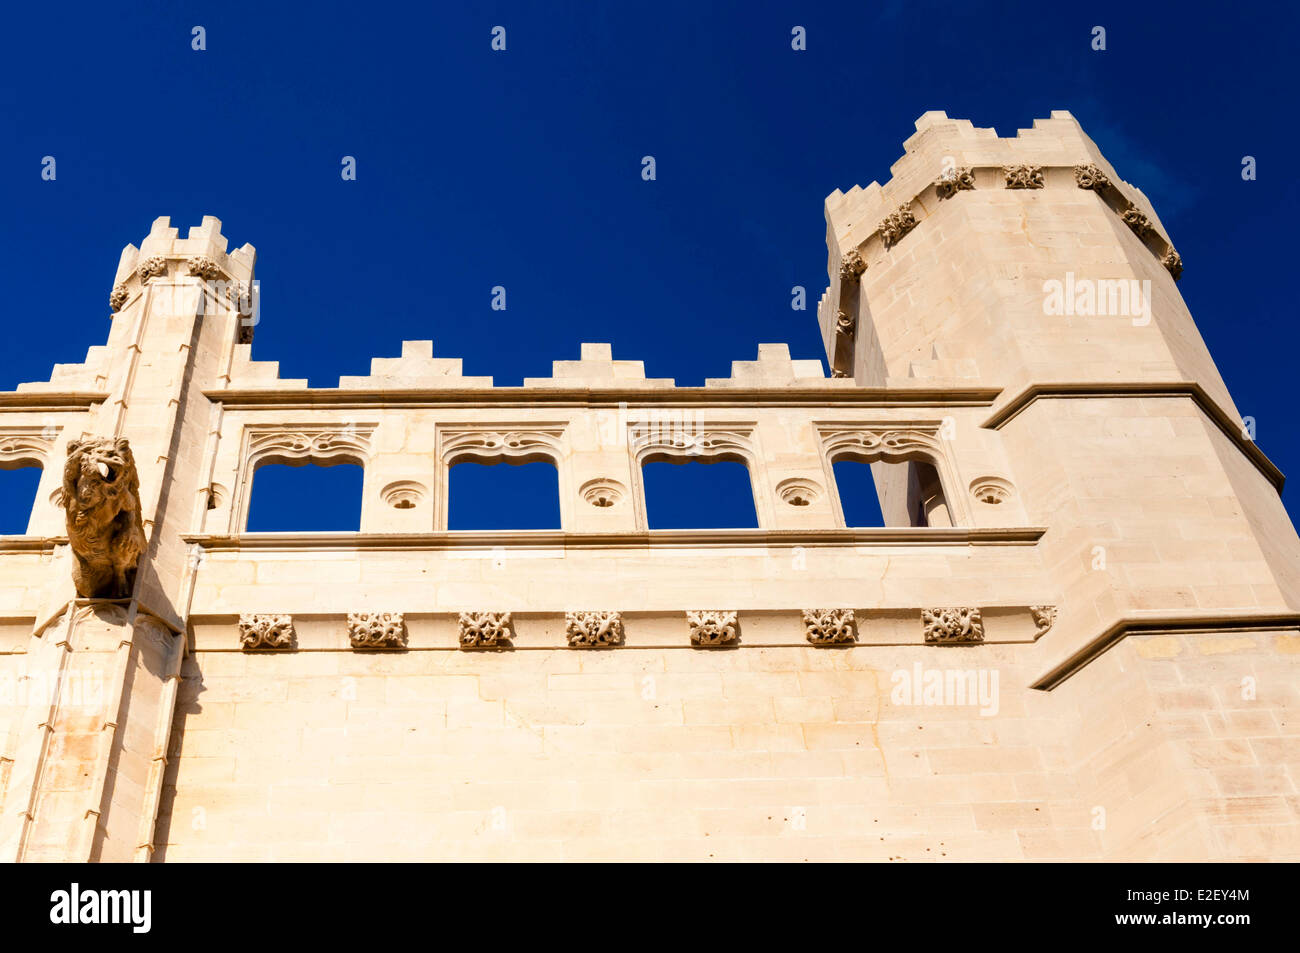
point(1190, 389)
point(794, 395)
point(1174, 623)
point(660, 538)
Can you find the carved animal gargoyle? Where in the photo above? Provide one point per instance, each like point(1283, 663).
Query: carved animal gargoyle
point(101, 497)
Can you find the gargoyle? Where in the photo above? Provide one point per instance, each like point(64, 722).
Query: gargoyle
point(101, 497)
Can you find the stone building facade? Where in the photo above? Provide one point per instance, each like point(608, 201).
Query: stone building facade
point(1077, 637)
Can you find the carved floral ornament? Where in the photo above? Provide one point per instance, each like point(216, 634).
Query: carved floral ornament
point(377, 630)
point(845, 323)
point(593, 629)
point(202, 267)
point(959, 179)
point(1135, 219)
point(151, 268)
point(603, 492)
point(118, 297)
point(1090, 177)
point(852, 266)
point(265, 631)
point(1044, 618)
point(798, 491)
point(712, 627)
point(485, 630)
point(1173, 262)
point(829, 626)
point(1023, 176)
point(897, 224)
point(954, 625)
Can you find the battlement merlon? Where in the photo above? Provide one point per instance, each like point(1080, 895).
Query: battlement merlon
point(940, 143)
point(1027, 259)
point(204, 241)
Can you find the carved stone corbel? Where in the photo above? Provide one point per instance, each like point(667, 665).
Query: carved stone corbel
point(829, 626)
point(960, 179)
point(486, 630)
point(151, 268)
point(117, 298)
point(586, 630)
point(846, 324)
point(897, 224)
point(1173, 262)
point(205, 268)
point(1135, 219)
point(953, 625)
point(1044, 618)
point(712, 627)
point(266, 631)
point(1090, 177)
point(377, 630)
point(1023, 176)
point(852, 266)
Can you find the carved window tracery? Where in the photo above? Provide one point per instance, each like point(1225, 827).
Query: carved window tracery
point(505, 442)
point(919, 443)
point(26, 448)
point(297, 446)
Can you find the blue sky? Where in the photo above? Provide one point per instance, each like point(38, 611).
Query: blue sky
point(522, 168)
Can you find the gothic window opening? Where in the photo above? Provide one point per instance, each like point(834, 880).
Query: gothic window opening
point(306, 497)
point(682, 493)
point(18, 484)
point(504, 494)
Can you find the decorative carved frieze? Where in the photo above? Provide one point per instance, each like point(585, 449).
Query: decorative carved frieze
point(1174, 262)
point(952, 625)
point(1044, 617)
point(151, 268)
point(960, 179)
point(204, 268)
point(27, 446)
point(377, 630)
point(266, 631)
point(881, 442)
point(117, 298)
point(852, 266)
point(711, 627)
point(846, 324)
point(101, 500)
point(897, 224)
point(829, 626)
point(650, 441)
point(285, 445)
point(1135, 219)
point(1023, 176)
point(497, 444)
point(485, 630)
point(597, 629)
point(1090, 177)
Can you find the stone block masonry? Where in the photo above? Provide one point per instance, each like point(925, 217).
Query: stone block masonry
point(1076, 638)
